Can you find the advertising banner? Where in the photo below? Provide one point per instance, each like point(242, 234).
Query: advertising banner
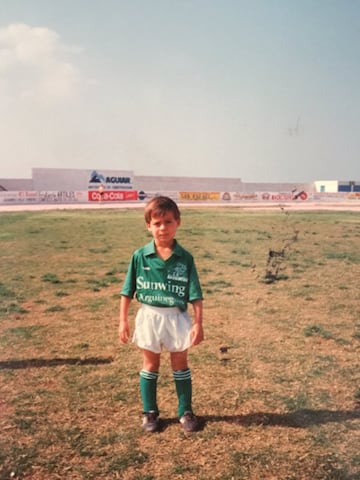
point(110, 180)
point(19, 197)
point(199, 196)
point(284, 197)
point(239, 197)
point(145, 196)
point(329, 196)
point(112, 196)
point(61, 197)
point(354, 196)
point(44, 196)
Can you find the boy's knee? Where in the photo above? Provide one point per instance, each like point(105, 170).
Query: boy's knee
point(151, 361)
point(179, 360)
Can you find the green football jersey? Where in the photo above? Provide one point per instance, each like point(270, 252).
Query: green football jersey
point(162, 283)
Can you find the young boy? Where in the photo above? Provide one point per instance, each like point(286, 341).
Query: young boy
point(164, 279)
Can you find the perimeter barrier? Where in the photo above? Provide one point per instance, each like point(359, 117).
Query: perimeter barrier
point(134, 196)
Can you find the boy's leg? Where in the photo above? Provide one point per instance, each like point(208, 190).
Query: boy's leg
point(148, 380)
point(183, 383)
point(182, 377)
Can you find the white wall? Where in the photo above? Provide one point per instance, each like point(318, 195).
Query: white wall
point(72, 179)
point(326, 186)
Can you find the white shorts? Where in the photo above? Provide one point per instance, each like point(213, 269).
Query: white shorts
point(162, 327)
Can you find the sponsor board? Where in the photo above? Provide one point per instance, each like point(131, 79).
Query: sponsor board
point(199, 196)
point(43, 197)
point(112, 196)
point(110, 180)
point(239, 197)
point(60, 197)
point(333, 196)
point(146, 196)
point(354, 196)
point(17, 197)
point(284, 197)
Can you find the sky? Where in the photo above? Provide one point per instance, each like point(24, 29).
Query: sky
point(262, 90)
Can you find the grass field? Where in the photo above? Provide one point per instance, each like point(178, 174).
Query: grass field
point(276, 382)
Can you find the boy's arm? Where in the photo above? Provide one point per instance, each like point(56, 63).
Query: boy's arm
point(124, 327)
point(197, 332)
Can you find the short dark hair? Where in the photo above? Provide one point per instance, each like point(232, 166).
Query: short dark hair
point(159, 206)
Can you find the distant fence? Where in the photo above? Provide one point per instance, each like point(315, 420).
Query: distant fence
point(73, 197)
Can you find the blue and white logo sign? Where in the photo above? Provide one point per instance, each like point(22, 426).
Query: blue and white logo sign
point(95, 177)
point(110, 180)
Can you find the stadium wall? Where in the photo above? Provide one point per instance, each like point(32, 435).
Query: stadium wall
point(63, 179)
point(49, 185)
point(200, 184)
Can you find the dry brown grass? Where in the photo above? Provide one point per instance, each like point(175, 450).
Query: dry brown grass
point(280, 400)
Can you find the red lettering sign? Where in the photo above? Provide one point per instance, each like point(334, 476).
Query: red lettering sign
point(112, 196)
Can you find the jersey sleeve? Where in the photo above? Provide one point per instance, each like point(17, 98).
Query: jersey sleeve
point(195, 292)
point(129, 286)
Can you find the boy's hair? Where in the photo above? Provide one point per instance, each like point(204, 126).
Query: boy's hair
point(158, 206)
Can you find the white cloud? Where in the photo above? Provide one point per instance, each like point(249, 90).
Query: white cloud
point(34, 63)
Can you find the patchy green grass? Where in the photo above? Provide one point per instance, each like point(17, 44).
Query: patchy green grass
point(276, 382)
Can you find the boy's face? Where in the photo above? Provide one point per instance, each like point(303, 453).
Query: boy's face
point(163, 228)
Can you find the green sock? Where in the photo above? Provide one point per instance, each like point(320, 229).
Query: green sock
point(148, 384)
point(184, 390)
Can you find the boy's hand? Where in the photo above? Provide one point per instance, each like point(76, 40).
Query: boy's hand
point(124, 331)
point(196, 334)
